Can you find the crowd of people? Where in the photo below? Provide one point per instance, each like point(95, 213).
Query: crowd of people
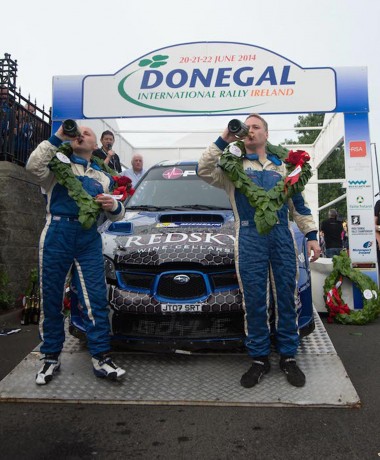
point(20, 126)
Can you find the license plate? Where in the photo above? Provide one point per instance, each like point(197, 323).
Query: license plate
point(181, 307)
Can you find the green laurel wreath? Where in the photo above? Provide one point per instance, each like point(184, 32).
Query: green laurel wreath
point(89, 209)
point(266, 203)
point(371, 307)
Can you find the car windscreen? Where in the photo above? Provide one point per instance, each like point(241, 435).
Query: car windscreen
point(177, 186)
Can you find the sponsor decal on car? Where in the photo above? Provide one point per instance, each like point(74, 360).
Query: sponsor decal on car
point(221, 239)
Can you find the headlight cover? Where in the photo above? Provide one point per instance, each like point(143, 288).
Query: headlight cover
point(109, 268)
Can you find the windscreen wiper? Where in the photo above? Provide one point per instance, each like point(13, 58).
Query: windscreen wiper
point(202, 207)
point(145, 207)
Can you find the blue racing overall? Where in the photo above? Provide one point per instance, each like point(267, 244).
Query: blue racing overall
point(266, 265)
point(65, 244)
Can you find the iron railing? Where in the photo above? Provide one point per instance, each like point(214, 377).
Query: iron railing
point(23, 125)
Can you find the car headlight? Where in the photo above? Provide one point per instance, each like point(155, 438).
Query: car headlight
point(109, 268)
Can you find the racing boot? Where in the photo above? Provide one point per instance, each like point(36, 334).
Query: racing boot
point(293, 373)
point(252, 377)
point(104, 367)
point(51, 365)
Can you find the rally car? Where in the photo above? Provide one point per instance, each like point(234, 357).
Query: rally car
point(170, 268)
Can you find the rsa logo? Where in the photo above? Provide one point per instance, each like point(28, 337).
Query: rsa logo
point(358, 149)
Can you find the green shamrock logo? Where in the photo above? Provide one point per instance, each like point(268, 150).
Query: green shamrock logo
point(156, 61)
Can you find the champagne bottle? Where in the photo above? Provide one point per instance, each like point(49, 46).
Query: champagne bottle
point(30, 311)
point(70, 128)
point(238, 128)
point(36, 310)
point(25, 314)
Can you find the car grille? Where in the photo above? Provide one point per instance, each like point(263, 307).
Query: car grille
point(137, 280)
point(222, 280)
point(191, 326)
point(170, 289)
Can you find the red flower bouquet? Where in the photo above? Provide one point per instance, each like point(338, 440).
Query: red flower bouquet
point(123, 187)
point(296, 157)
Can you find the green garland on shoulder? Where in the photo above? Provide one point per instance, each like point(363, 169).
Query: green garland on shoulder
point(278, 150)
point(89, 209)
point(266, 203)
point(369, 289)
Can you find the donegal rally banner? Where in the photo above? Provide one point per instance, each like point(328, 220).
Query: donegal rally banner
point(209, 78)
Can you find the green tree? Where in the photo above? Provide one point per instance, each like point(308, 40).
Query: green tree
point(332, 167)
point(307, 137)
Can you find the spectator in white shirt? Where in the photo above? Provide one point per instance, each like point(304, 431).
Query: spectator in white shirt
point(137, 170)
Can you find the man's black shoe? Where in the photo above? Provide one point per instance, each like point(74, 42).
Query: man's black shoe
point(293, 373)
point(260, 366)
point(51, 365)
point(104, 367)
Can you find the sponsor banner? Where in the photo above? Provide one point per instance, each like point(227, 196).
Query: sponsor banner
point(357, 149)
point(209, 78)
point(360, 212)
point(360, 199)
point(359, 184)
point(361, 224)
point(364, 248)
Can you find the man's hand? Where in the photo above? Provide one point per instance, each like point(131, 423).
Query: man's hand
point(313, 246)
point(61, 135)
point(106, 201)
point(228, 137)
point(110, 155)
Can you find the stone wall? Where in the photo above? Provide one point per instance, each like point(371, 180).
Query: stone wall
point(22, 217)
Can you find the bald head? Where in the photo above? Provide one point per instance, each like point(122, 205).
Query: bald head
point(137, 162)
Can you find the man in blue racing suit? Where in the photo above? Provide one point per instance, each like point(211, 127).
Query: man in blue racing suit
point(266, 265)
point(66, 244)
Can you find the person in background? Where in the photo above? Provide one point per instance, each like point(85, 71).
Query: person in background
point(30, 108)
point(322, 243)
point(266, 264)
point(27, 127)
point(8, 120)
point(344, 236)
point(65, 244)
point(332, 229)
point(106, 153)
point(137, 170)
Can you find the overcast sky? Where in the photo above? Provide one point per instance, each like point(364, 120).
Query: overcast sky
point(84, 37)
